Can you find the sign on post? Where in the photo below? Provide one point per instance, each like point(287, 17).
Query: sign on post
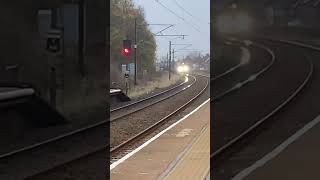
point(131, 69)
point(126, 76)
point(54, 42)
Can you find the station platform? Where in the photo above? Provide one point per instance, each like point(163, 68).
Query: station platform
point(295, 159)
point(181, 152)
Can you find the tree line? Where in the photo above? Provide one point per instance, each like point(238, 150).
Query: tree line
point(123, 15)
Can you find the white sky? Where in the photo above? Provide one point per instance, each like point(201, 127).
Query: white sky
point(199, 21)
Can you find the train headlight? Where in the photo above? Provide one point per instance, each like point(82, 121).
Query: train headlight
point(180, 69)
point(183, 69)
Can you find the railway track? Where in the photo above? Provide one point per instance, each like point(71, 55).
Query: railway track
point(147, 98)
point(143, 135)
point(53, 152)
point(53, 143)
point(130, 144)
point(150, 98)
point(127, 146)
point(61, 149)
point(252, 77)
point(77, 135)
point(127, 110)
point(223, 152)
point(114, 112)
point(228, 71)
point(131, 108)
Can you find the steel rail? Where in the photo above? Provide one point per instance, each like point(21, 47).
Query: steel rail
point(147, 131)
point(252, 77)
point(228, 146)
point(155, 102)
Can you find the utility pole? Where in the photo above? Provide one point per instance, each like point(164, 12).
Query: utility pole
point(182, 35)
point(167, 63)
point(173, 59)
point(169, 60)
point(135, 52)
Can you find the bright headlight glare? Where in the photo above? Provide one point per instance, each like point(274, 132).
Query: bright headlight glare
point(180, 69)
point(183, 68)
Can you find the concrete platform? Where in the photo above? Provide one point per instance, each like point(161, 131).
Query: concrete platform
point(195, 163)
point(182, 152)
point(295, 159)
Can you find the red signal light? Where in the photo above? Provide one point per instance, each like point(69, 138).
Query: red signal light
point(126, 48)
point(126, 51)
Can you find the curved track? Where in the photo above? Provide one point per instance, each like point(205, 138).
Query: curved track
point(61, 136)
point(271, 93)
point(229, 69)
point(147, 98)
point(249, 76)
point(63, 149)
point(128, 145)
point(156, 98)
point(151, 98)
point(127, 110)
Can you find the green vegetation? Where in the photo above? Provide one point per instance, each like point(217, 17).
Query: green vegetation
point(123, 15)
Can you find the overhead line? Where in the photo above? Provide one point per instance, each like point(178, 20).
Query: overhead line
point(169, 10)
point(160, 32)
point(177, 15)
point(183, 9)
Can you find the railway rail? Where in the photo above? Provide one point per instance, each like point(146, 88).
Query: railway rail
point(150, 98)
point(252, 77)
point(232, 68)
point(134, 107)
point(127, 108)
point(61, 171)
point(226, 72)
point(127, 146)
point(130, 144)
point(147, 98)
point(93, 131)
point(78, 134)
point(224, 151)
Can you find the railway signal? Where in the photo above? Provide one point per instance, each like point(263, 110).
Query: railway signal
point(126, 48)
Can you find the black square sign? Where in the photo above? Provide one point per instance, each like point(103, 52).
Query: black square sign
point(53, 44)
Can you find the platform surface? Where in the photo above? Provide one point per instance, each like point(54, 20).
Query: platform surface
point(195, 162)
point(175, 153)
point(299, 160)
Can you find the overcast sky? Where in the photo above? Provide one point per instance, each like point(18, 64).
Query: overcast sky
point(191, 17)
